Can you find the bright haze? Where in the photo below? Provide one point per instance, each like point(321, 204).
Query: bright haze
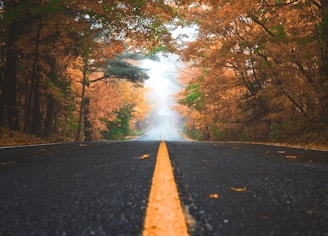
point(163, 85)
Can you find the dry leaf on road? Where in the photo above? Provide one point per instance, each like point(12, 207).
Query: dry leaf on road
point(238, 189)
point(7, 162)
point(145, 156)
point(214, 196)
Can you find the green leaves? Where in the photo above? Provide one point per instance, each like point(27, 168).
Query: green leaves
point(194, 97)
point(119, 128)
point(279, 34)
point(124, 70)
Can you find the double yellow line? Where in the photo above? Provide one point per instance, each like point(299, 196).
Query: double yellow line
point(164, 215)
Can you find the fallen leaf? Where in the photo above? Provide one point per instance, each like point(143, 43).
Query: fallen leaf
point(311, 212)
point(236, 148)
point(281, 152)
point(83, 145)
point(214, 196)
point(291, 157)
point(145, 156)
point(7, 163)
point(238, 189)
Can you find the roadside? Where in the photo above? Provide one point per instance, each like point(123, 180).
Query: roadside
point(15, 138)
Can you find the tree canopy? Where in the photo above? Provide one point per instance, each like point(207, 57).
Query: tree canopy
point(51, 49)
point(263, 71)
point(257, 71)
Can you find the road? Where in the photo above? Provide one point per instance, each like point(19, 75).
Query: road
point(102, 188)
point(164, 128)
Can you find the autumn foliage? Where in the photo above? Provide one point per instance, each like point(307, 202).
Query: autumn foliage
point(55, 80)
point(262, 71)
point(258, 70)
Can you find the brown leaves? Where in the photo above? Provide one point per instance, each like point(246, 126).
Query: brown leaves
point(287, 156)
point(214, 196)
point(311, 212)
point(3, 163)
point(223, 100)
point(234, 189)
point(145, 156)
point(14, 138)
point(238, 189)
point(107, 98)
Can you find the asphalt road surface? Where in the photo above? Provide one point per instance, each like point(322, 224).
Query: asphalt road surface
point(163, 128)
point(102, 188)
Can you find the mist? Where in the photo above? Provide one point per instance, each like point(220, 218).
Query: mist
point(163, 75)
point(162, 84)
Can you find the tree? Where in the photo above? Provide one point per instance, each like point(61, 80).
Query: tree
point(116, 69)
point(271, 54)
point(40, 41)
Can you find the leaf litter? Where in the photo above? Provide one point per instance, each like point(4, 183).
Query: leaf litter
point(214, 196)
point(238, 189)
point(145, 156)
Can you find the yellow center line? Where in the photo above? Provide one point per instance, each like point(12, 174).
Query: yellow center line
point(164, 215)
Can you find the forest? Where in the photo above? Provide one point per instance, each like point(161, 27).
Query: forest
point(68, 68)
point(258, 70)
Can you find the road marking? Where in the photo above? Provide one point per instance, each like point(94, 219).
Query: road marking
point(164, 215)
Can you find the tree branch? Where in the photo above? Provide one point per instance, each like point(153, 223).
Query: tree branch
point(317, 4)
point(280, 4)
point(296, 104)
point(257, 21)
point(101, 78)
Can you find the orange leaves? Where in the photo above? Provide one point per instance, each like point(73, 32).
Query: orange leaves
point(14, 138)
point(260, 42)
point(292, 157)
point(238, 189)
point(145, 156)
point(214, 196)
point(108, 97)
point(234, 189)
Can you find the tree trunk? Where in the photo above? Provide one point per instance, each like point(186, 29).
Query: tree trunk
point(324, 59)
point(324, 37)
point(3, 107)
point(34, 98)
point(51, 106)
point(10, 77)
point(84, 84)
point(49, 121)
point(36, 114)
point(87, 123)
